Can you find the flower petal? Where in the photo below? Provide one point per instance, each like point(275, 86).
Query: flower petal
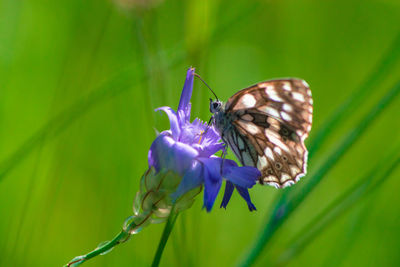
point(173, 120)
point(182, 157)
point(207, 151)
point(211, 135)
point(227, 195)
point(159, 150)
point(166, 153)
point(211, 189)
point(213, 166)
point(212, 180)
point(245, 176)
point(184, 102)
point(244, 193)
point(191, 179)
point(190, 133)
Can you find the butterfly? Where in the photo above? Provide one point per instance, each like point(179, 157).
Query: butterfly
point(265, 126)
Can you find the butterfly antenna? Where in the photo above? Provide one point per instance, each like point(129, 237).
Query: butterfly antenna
point(198, 76)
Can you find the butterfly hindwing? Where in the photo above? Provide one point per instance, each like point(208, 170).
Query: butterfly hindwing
point(280, 160)
point(270, 122)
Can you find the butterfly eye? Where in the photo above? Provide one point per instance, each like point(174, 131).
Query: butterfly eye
point(215, 106)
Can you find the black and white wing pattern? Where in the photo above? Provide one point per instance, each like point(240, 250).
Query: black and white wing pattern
point(269, 122)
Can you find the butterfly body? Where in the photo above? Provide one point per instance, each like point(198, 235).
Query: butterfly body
point(265, 125)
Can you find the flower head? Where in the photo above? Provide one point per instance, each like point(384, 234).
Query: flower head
point(188, 149)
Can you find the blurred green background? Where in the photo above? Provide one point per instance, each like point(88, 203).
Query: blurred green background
point(79, 81)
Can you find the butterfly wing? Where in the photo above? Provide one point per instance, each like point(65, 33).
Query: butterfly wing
point(270, 122)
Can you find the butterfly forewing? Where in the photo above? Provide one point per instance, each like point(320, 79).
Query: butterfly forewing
point(270, 122)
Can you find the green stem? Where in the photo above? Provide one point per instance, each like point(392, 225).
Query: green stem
point(118, 239)
point(164, 238)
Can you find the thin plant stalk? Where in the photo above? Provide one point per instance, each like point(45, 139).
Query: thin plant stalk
point(151, 205)
point(289, 201)
point(120, 82)
point(381, 70)
point(122, 236)
point(164, 238)
point(373, 181)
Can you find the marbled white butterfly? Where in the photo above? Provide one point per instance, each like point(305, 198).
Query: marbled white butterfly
point(265, 125)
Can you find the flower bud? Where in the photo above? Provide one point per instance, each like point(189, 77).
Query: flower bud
point(153, 202)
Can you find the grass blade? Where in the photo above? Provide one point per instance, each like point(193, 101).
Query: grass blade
point(120, 83)
point(382, 69)
point(289, 201)
point(370, 183)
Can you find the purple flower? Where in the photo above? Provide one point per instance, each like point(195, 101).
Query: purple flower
point(188, 149)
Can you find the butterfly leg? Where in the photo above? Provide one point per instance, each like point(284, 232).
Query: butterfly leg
point(223, 155)
point(210, 121)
